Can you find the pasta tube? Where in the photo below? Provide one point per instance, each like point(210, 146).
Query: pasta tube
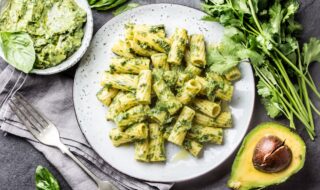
point(204, 83)
point(129, 66)
point(159, 61)
point(123, 49)
point(233, 75)
point(159, 113)
point(121, 102)
point(192, 146)
point(156, 146)
point(225, 93)
point(192, 70)
point(182, 125)
point(165, 95)
point(133, 115)
point(135, 132)
point(155, 29)
point(167, 131)
point(141, 48)
point(224, 120)
point(197, 50)
point(153, 41)
point(206, 134)
point(189, 91)
point(207, 107)
point(105, 95)
point(170, 77)
point(141, 150)
point(124, 82)
point(178, 47)
point(143, 93)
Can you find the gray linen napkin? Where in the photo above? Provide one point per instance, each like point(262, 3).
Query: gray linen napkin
point(52, 95)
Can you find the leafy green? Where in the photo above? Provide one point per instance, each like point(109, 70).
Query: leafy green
point(265, 32)
point(104, 5)
point(18, 50)
point(311, 52)
point(124, 8)
point(45, 180)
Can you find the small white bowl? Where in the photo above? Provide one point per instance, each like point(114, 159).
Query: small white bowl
point(77, 55)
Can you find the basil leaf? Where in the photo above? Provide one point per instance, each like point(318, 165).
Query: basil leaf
point(45, 180)
point(125, 8)
point(104, 5)
point(17, 49)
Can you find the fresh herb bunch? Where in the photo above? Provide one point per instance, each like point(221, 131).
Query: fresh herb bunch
point(103, 5)
point(265, 32)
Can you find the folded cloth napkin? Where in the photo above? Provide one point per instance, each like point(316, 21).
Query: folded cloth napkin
point(52, 95)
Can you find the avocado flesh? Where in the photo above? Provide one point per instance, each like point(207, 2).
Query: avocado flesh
point(245, 176)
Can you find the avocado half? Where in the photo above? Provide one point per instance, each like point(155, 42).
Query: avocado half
point(245, 176)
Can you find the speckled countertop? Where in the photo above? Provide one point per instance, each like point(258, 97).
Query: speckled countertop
point(18, 159)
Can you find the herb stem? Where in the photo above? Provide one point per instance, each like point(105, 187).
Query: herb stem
point(255, 16)
point(312, 86)
point(305, 91)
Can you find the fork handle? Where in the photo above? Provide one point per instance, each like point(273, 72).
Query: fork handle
point(66, 151)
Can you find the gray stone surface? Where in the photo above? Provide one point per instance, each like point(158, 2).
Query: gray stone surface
point(18, 159)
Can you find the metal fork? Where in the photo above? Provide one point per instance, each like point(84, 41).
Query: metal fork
point(45, 131)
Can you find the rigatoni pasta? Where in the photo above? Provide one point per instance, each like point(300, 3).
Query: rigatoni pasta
point(206, 134)
point(179, 43)
point(133, 115)
point(122, 48)
point(143, 92)
point(141, 49)
point(136, 132)
point(159, 61)
point(182, 125)
point(197, 50)
point(156, 144)
point(233, 75)
point(189, 91)
point(207, 107)
point(152, 40)
point(124, 82)
point(159, 90)
point(106, 94)
point(129, 66)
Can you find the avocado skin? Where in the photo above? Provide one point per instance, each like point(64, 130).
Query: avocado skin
point(245, 176)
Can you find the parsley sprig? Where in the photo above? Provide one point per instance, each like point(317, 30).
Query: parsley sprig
point(265, 32)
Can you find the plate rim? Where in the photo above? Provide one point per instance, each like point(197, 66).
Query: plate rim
point(191, 177)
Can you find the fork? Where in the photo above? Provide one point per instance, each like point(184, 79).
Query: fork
point(47, 133)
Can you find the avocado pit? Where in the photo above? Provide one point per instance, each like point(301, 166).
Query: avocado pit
point(271, 155)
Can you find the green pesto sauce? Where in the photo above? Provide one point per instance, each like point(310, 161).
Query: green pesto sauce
point(56, 27)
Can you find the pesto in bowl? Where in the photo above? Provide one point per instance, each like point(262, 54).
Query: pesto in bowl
point(55, 26)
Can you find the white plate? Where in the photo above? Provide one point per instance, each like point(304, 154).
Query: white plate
point(91, 113)
point(77, 55)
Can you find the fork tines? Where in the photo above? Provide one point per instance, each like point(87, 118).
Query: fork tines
point(28, 115)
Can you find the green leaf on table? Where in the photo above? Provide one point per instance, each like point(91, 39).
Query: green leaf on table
point(18, 50)
point(45, 180)
point(103, 5)
point(311, 52)
point(125, 8)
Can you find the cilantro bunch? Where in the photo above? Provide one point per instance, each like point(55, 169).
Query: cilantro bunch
point(265, 32)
